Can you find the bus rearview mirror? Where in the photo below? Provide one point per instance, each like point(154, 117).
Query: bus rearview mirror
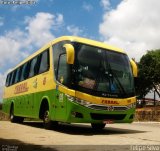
point(70, 53)
point(134, 68)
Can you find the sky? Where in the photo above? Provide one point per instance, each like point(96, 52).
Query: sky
point(133, 25)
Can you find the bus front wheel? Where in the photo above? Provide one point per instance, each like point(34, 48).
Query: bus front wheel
point(98, 126)
point(48, 124)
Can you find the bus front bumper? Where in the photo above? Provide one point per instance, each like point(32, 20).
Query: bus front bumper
point(80, 114)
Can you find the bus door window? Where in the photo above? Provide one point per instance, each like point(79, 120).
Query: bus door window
point(63, 71)
point(57, 51)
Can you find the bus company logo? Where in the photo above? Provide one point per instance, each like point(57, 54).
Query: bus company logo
point(21, 88)
point(110, 108)
point(109, 102)
point(44, 80)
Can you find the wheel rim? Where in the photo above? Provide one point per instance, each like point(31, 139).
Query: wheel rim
point(46, 117)
point(11, 117)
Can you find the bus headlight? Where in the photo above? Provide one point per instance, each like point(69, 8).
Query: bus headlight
point(82, 102)
point(78, 101)
point(133, 105)
point(70, 98)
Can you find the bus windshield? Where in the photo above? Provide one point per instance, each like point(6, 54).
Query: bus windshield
point(102, 72)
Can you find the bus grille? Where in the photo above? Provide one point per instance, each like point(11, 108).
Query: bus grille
point(96, 116)
point(108, 108)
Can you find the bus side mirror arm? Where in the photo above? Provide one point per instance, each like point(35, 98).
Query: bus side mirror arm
point(134, 68)
point(70, 53)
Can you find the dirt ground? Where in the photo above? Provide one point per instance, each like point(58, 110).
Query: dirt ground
point(32, 136)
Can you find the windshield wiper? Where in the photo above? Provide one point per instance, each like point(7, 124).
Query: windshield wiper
point(119, 83)
point(101, 75)
point(115, 76)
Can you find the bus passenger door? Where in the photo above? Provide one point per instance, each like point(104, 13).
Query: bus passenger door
point(62, 77)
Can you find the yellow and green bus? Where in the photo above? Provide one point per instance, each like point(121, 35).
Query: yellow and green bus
point(72, 80)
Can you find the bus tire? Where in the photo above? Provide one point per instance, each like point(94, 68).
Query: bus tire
point(48, 124)
point(13, 118)
point(98, 126)
point(46, 121)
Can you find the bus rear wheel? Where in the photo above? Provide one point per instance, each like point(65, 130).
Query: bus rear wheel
point(98, 126)
point(13, 118)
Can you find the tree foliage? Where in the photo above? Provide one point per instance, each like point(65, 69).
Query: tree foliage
point(149, 73)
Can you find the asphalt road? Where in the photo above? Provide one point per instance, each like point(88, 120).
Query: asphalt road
point(32, 136)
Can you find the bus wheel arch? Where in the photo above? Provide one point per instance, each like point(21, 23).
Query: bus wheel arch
point(44, 105)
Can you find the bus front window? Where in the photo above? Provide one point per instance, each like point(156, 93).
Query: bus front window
point(102, 72)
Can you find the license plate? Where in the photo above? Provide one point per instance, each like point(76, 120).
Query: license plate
point(108, 121)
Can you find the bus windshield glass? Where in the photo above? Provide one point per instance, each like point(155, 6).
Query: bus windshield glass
point(102, 72)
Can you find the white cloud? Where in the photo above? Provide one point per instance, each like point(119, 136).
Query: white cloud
point(134, 25)
point(17, 44)
point(74, 30)
point(59, 19)
point(87, 7)
point(105, 4)
point(39, 28)
point(11, 43)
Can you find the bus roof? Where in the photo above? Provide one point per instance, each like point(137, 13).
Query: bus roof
point(72, 38)
point(88, 41)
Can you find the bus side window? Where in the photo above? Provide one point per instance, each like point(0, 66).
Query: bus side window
point(11, 78)
point(33, 68)
point(14, 75)
point(17, 78)
point(44, 63)
point(7, 79)
point(63, 71)
point(25, 71)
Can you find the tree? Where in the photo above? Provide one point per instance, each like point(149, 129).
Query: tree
point(149, 73)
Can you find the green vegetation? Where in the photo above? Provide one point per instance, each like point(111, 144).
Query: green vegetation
point(149, 73)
